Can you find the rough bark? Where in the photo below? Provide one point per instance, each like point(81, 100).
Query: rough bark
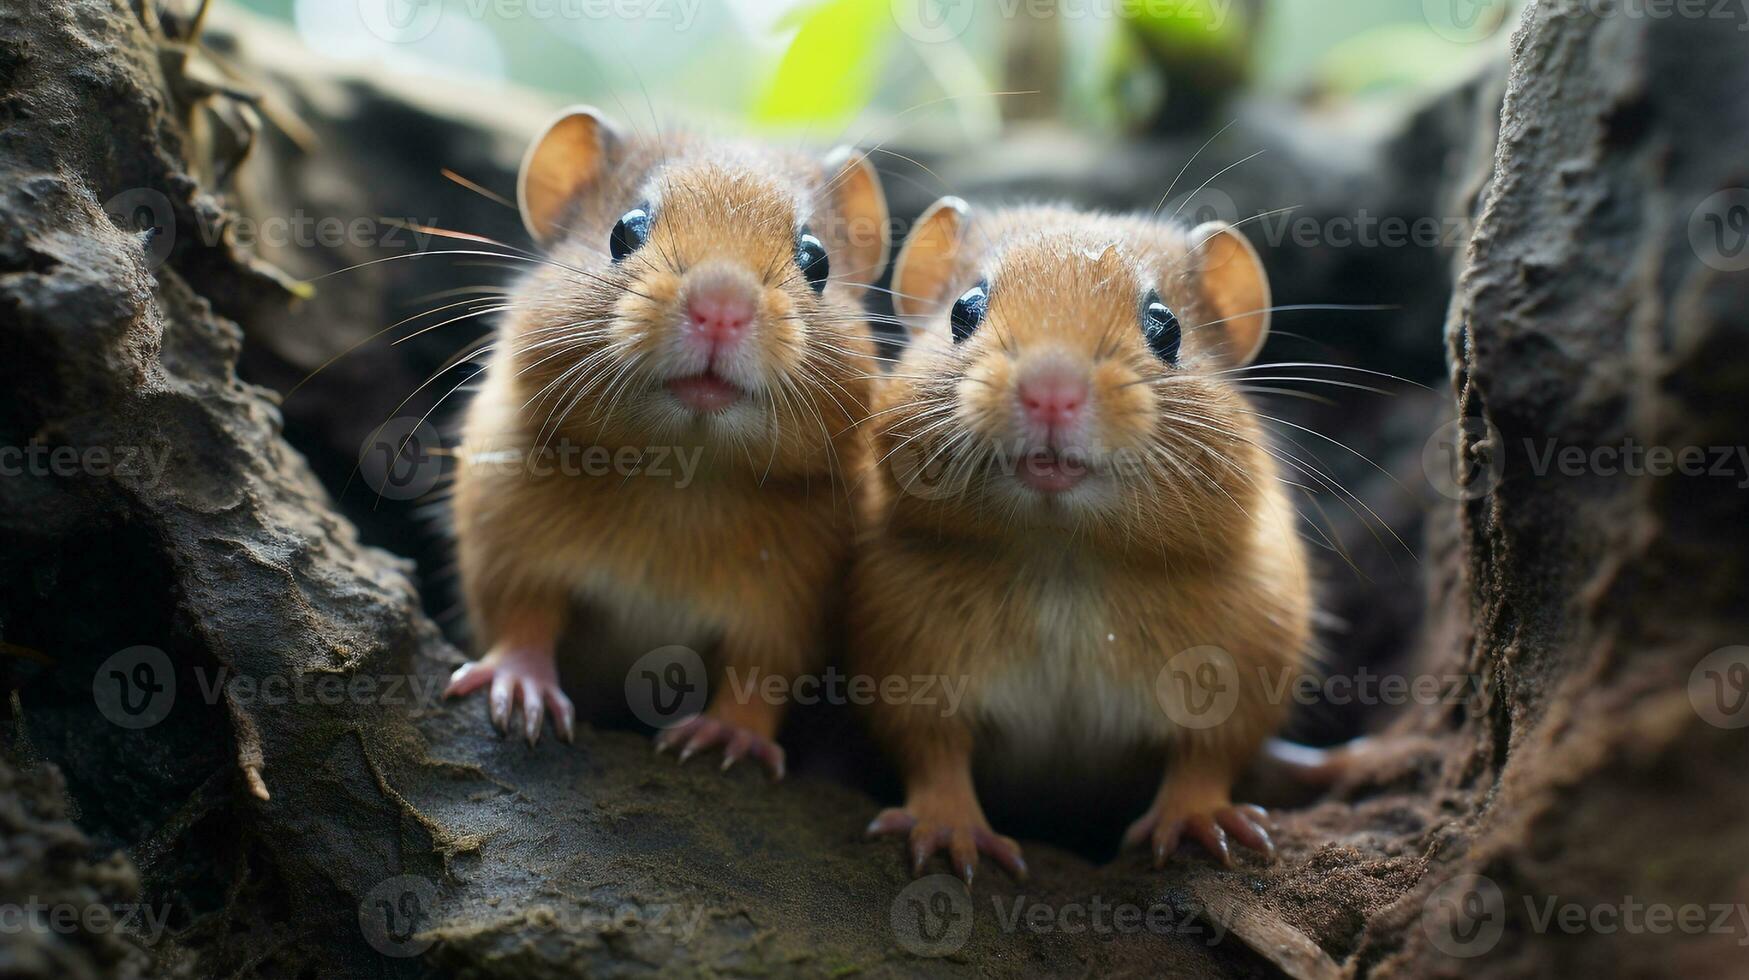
point(1589, 317)
point(275, 827)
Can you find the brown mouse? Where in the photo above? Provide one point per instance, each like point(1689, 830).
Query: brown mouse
point(1075, 512)
point(699, 298)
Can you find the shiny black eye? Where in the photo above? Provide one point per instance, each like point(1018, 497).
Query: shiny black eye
point(968, 310)
point(631, 232)
point(811, 258)
point(1160, 326)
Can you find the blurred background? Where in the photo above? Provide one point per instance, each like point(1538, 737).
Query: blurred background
point(1105, 65)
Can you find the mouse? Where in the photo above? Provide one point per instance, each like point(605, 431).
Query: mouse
point(697, 302)
point(1074, 512)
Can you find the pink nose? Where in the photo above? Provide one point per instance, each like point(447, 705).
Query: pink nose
point(1053, 397)
point(721, 313)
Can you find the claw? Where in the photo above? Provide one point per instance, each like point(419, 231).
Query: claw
point(965, 841)
point(1247, 830)
point(1216, 830)
point(702, 732)
point(564, 716)
point(892, 820)
point(516, 675)
point(1166, 841)
point(1206, 831)
point(466, 679)
point(502, 692)
point(740, 743)
point(533, 711)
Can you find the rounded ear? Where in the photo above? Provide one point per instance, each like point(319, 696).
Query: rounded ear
point(925, 265)
point(569, 155)
point(861, 204)
point(1234, 287)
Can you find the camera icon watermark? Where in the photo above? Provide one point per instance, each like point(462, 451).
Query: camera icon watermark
point(1466, 21)
point(932, 916)
point(1201, 205)
point(149, 214)
point(1199, 687)
point(1718, 687)
point(135, 688)
point(934, 21)
point(397, 914)
point(1465, 917)
point(667, 686)
point(400, 21)
point(920, 469)
point(1718, 230)
point(401, 459)
point(1463, 460)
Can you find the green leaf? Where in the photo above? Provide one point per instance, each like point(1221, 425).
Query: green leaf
point(832, 66)
point(1200, 27)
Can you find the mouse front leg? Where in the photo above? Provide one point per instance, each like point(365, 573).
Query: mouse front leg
point(1195, 801)
point(743, 718)
point(941, 810)
point(519, 666)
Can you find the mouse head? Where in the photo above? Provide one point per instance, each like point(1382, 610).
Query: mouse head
point(696, 290)
point(1074, 370)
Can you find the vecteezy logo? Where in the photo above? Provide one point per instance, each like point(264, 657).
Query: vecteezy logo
point(1199, 688)
point(1718, 230)
point(1202, 205)
point(399, 460)
point(920, 468)
point(1462, 459)
point(1464, 21)
point(932, 916)
point(667, 686)
point(1719, 688)
point(396, 915)
point(400, 21)
point(1465, 917)
point(933, 21)
point(149, 214)
point(135, 688)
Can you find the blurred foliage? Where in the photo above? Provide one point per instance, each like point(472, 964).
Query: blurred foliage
point(830, 69)
point(824, 63)
point(1183, 58)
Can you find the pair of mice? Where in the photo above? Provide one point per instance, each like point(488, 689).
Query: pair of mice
point(1057, 497)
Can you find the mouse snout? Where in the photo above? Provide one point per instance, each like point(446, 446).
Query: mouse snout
point(719, 304)
point(1053, 397)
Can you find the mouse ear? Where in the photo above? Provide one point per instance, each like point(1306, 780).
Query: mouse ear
point(569, 155)
point(861, 206)
point(925, 265)
point(1234, 287)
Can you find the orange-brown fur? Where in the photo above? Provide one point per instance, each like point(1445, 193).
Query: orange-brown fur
point(748, 559)
point(1061, 613)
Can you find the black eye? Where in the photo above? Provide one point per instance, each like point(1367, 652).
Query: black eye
point(811, 258)
point(968, 310)
point(631, 232)
point(1160, 326)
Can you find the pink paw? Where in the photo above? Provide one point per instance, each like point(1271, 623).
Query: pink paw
point(964, 838)
point(1245, 823)
point(702, 732)
point(520, 676)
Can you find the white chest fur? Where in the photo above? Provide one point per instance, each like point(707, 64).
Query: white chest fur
point(1065, 698)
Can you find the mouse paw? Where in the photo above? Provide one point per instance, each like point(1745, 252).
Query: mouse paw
point(522, 677)
point(702, 732)
point(1212, 827)
point(963, 836)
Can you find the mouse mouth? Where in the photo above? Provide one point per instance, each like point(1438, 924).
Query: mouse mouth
point(1050, 472)
point(704, 393)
